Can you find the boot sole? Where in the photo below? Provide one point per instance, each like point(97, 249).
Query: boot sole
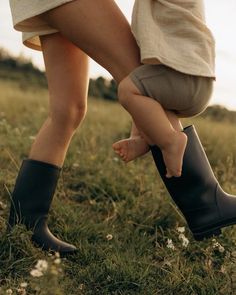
point(216, 231)
point(207, 234)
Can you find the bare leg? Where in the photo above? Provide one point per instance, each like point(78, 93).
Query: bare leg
point(99, 41)
point(152, 120)
point(136, 145)
point(67, 74)
point(133, 147)
point(100, 29)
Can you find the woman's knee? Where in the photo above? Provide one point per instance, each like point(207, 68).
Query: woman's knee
point(70, 116)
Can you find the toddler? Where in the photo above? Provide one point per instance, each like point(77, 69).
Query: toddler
point(175, 79)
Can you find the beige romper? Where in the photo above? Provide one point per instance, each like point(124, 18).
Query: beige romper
point(174, 33)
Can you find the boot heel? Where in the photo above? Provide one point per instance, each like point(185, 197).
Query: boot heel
point(207, 234)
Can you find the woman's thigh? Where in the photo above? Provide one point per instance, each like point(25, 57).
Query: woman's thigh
point(67, 69)
point(100, 29)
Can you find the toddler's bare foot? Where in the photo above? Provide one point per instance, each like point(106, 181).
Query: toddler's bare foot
point(173, 154)
point(131, 148)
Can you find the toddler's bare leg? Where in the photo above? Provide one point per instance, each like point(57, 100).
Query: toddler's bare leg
point(133, 147)
point(137, 144)
point(174, 120)
point(153, 121)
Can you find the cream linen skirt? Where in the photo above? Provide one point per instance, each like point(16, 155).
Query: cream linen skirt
point(26, 18)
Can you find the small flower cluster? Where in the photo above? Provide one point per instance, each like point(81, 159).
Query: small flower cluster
point(218, 246)
point(76, 165)
point(21, 290)
point(115, 159)
point(54, 268)
point(47, 273)
point(170, 244)
point(181, 237)
point(42, 267)
point(39, 269)
point(109, 237)
point(2, 206)
point(32, 137)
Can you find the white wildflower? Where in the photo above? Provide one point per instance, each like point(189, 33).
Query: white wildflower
point(32, 137)
point(217, 245)
point(221, 249)
point(115, 159)
point(170, 244)
point(109, 278)
point(81, 287)
point(181, 229)
point(75, 165)
point(92, 202)
point(185, 240)
point(9, 291)
point(57, 261)
point(2, 206)
point(57, 255)
point(24, 285)
point(109, 237)
point(36, 273)
point(41, 265)
point(223, 269)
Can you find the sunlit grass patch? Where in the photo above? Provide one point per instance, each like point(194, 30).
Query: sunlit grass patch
point(131, 237)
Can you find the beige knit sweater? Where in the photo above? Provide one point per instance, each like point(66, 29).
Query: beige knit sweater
point(174, 33)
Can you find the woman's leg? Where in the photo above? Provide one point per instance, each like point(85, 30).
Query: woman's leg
point(67, 75)
point(103, 33)
point(100, 29)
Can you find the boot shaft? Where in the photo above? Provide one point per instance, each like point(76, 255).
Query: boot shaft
point(33, 192)
point(194, 192)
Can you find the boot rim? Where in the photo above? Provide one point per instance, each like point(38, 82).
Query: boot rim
point(41, 163)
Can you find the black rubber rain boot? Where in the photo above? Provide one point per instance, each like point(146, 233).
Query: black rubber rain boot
point(31, 201)
point(197, 193)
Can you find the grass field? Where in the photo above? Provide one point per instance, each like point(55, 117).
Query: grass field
point(120, 216)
